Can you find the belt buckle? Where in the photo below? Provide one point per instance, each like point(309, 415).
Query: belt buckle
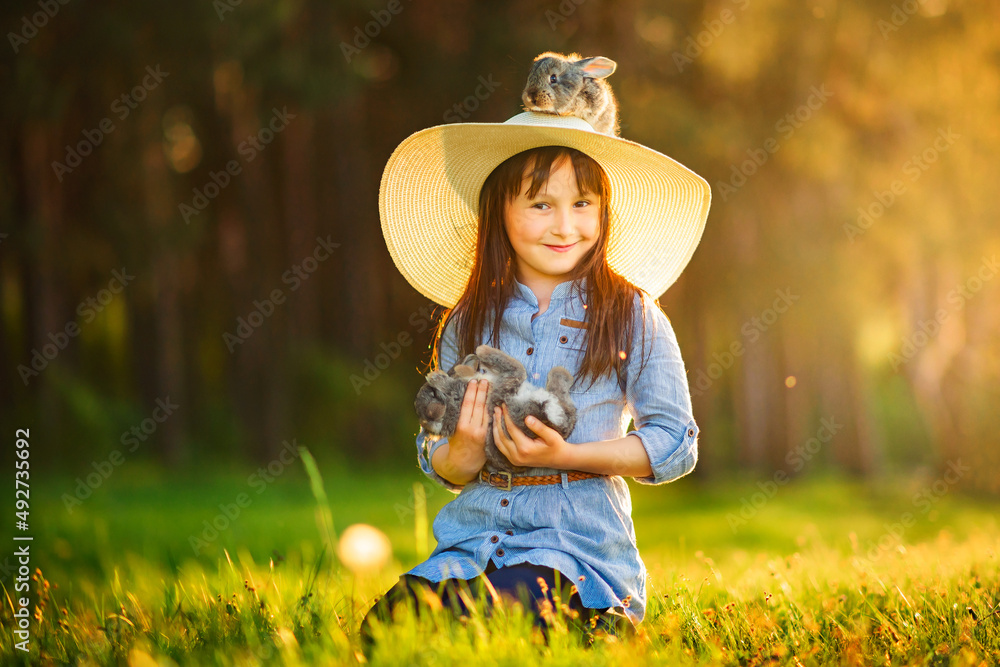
point(505, 487)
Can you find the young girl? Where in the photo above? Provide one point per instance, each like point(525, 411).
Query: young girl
point(547, 240)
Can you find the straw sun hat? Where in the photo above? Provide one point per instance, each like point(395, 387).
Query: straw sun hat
point(429, 199)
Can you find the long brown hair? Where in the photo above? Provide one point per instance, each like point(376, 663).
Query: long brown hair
point(609, 297)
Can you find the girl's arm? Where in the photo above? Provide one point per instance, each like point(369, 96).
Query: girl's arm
point(625, 456)
point(454, 471)
point(659, 401)
point(430, 455)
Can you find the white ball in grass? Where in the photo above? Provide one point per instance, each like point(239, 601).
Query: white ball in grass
point(364, 548)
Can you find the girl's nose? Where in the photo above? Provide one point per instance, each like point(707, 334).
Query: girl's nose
point(564, 224)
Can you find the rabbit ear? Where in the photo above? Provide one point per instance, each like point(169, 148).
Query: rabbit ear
point(597, 67)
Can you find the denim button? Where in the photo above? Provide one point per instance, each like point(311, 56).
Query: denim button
point(530, 350)
point(505, 502)
point(494, 539)
point(510, 532)
point(500, 551)
point(563, 339)
point(690, 432)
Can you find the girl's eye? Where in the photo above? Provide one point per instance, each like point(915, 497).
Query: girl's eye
point(552, 78)
point(585, 202)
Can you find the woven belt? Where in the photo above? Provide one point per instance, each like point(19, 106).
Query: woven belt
point(504, 480)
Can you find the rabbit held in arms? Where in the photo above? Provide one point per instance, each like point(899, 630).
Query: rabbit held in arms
point(569, 85)
point(439, 401)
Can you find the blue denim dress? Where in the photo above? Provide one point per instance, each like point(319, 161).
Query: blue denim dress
point(582, 528)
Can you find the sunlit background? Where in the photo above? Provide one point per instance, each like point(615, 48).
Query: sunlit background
point(846, 271)
point(198, 307)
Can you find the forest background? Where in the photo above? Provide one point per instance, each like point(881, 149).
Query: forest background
point(192, 270)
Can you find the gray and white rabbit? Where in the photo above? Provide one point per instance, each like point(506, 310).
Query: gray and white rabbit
point(570, 85)
point(439, 401)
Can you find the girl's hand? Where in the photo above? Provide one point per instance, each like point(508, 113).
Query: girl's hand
point(467, 445)
point(549, 450)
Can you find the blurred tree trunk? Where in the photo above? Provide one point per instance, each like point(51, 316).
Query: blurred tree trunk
point(261, 386)
point(843, 401)
point(299, 199)
point(363, 289)
point(166, 345)
point(761, 412)
point(326, 152)
point(798, 398)
point(936, 344)
point(870, 446)
point(15, 266)
point(44, 304)
point(362, 280)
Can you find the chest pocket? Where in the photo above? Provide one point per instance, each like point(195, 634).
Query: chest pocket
point(572, 334)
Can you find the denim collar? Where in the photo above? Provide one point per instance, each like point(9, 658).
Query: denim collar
point(561, 291)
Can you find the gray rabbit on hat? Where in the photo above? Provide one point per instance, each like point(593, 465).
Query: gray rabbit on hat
point(439, 400)
point(570, 85)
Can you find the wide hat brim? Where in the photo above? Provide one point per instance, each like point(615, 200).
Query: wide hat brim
point(429, 200)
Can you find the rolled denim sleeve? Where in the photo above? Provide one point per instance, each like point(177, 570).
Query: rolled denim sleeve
point(428, 443)
point(659, 399)
point(426, 446)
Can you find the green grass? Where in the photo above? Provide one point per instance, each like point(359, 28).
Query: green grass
point(801, 581)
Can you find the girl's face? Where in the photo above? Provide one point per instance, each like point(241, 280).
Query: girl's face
point(552, 231)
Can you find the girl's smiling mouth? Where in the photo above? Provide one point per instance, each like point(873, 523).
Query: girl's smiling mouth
point(559, 248)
